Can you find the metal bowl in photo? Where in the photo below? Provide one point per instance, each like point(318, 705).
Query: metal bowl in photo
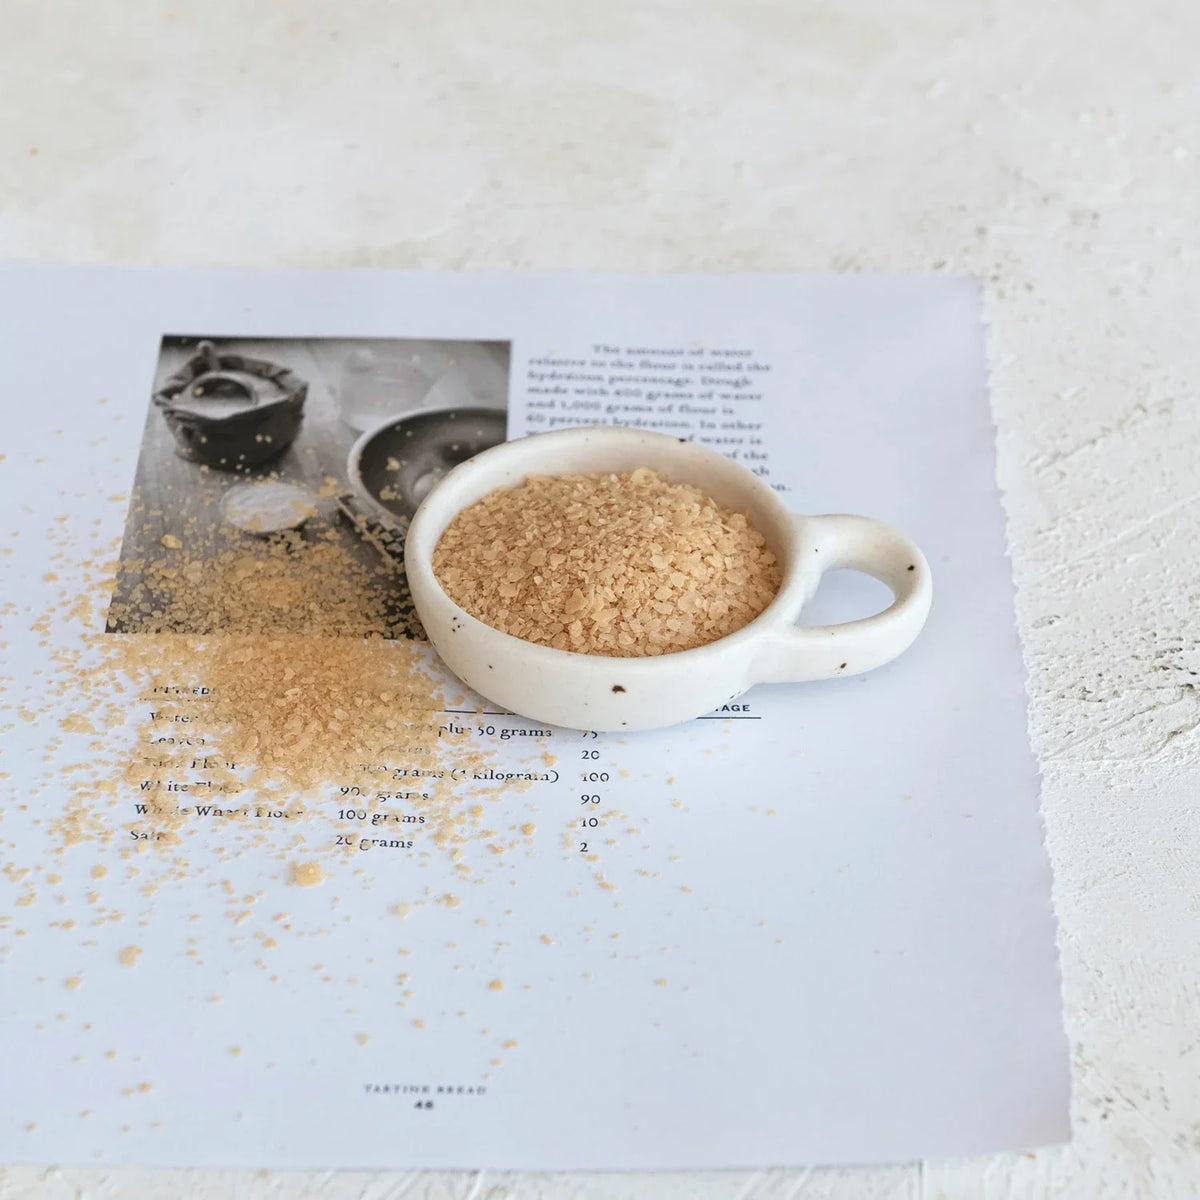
point(394, 466)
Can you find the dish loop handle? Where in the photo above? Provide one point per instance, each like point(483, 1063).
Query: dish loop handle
point(800, 653)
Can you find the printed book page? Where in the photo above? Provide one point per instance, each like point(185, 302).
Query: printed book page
point(276, 890)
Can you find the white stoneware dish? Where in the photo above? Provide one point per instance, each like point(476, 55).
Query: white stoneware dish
point(584, 691)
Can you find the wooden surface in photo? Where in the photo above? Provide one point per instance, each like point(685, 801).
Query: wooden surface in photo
point(175, 498)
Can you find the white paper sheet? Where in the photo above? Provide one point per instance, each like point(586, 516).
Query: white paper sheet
point(824, 932)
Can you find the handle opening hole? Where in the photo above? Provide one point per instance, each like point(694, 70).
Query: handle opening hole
point(845, 595)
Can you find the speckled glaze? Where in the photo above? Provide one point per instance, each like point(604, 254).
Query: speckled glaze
point(587, 691)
